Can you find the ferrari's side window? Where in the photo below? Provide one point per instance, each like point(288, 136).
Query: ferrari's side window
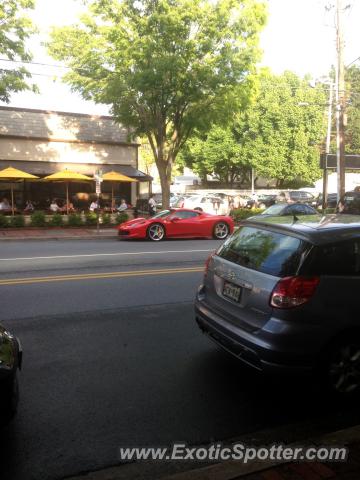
point(185, 214)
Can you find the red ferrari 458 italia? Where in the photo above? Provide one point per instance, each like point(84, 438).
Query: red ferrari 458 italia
point(178, 223)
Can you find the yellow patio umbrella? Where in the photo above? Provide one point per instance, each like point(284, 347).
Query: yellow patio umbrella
point(12, 175)
point(67, 176)
point(115, 177)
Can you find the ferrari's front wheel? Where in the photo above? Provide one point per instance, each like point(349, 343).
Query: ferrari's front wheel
point(221, 231)
point(156, 232)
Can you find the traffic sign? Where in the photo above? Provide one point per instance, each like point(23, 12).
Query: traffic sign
point(97, 186)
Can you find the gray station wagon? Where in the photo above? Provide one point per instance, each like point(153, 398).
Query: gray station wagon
point(281, 294)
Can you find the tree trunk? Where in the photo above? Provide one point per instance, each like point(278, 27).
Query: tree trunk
point(164, 169)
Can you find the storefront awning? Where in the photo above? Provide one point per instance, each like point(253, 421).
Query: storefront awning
point(48, 168)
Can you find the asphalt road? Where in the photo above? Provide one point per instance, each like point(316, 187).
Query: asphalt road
point(112, 357)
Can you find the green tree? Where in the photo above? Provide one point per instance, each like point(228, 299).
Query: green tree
point(15, 29)
point(281, 133)
point(166, 67)
point(217, 153)
point(352, 138)
point(278, 134)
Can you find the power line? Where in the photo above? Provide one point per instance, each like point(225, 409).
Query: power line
point(356, 59)
point(30, 73)
point(34, 63)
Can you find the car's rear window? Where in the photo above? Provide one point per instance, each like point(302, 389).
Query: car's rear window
point(266, 251)
point(274, 209)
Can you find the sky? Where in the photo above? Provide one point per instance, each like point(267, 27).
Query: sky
point(299, 36)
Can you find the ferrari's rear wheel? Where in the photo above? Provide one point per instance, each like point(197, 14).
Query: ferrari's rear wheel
point(156, 232)
point(221, 230)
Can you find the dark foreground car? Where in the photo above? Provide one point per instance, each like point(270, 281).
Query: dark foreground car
point(264, 201)
point(350, 203)
point(10, 361)
point(178, 223)
point(296, 196)
point(331, 201)
point(283, 296)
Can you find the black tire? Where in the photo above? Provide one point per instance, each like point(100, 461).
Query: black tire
point(9, 398)
point(221, 230)
point(340, 368)
point(156, 232)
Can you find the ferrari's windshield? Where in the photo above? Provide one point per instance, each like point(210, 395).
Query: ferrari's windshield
point(163, 213)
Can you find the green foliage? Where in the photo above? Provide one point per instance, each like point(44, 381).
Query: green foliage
point(242, 213)
point(15, 29)
point(328, 211)
point(218, 153)
point(56, 220)
point(278, 134)
point(3, 221)
point(281, 132)
point(121, 218)
point(91, 218)
point(17, 221)
point(165, 67)
point(38, 219)
point(106, 219)
point(352, 132)
point(75, 220)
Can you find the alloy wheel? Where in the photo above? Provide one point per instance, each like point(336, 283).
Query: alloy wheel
point(344, 369)
point(221, 231)
point(156, 232)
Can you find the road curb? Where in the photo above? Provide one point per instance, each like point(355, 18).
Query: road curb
point(233, 470)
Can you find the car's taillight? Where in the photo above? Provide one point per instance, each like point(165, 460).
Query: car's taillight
point(291, 292)
point(207, 263)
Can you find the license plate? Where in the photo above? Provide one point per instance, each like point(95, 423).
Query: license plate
point(232, 291)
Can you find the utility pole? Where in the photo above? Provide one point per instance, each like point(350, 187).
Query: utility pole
point(340, 101)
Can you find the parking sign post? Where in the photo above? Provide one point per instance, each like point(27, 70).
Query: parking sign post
point(98, 180)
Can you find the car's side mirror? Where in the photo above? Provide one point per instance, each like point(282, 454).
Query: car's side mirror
point(175, 219)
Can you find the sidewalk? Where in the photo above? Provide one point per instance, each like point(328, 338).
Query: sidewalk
point(349, 470)
point(80, 233)
point(232, 470)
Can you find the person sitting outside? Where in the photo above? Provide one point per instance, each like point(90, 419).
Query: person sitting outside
point(54, 207)
point(123, 205)
point(152, 206)
point(255, 200)
point(94, 206)
point(29, 207)
point(5, 205)
point(68, 208)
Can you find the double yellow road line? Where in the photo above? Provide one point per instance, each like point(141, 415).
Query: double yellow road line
point(97, 276)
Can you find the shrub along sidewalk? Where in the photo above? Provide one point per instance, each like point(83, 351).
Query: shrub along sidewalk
point(40, 219)
point(57, 233)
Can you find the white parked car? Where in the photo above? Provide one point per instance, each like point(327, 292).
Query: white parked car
point(208, 204)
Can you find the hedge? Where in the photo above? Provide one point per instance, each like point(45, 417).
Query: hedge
point(121, 218)
point(56, 220)
point(242, 213)
point(17, 221)
point(38, 219)
point(3, 221)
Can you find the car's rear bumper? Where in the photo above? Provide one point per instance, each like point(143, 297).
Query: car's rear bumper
point(250, 348)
